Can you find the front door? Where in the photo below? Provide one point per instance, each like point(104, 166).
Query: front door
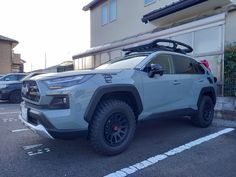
point(160, 93)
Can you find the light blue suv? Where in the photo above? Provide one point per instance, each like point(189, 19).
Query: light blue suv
point(152, 80)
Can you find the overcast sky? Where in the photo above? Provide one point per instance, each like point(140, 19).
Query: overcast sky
point(58, 28)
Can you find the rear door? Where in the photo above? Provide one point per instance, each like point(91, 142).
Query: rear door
point(191, 76)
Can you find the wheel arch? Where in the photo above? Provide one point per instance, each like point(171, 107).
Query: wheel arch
point(124, 92)
point(207, 91)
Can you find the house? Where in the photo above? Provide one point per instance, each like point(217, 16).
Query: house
point(64, 66)
point(206, 25)
point(9, 61)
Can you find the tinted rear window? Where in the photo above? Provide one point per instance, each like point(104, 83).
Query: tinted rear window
point(185, 65)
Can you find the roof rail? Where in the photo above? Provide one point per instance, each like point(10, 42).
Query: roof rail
point(173, 46)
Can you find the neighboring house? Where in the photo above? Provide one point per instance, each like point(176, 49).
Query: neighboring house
point(9, 61)
point(64, 66)
point(206, 25)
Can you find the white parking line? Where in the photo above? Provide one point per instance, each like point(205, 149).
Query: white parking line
point(5, 113)
point(5, 120)
point(155, 159)
point(38, 152)
point(20, 130)
point(31, 146)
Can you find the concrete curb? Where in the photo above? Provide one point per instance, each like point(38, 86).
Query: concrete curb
point(225, 108)
point(225, 114)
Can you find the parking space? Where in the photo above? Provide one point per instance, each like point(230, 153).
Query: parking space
point(23, 153)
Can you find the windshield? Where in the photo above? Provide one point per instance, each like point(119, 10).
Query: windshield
point(127, 62)
point(30, 75)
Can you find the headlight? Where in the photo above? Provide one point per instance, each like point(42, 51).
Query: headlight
point(3, 86)
point(69, 81)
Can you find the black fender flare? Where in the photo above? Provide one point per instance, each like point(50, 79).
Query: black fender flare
point(205, 91)
point(101, 91)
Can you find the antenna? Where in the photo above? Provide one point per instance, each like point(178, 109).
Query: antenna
point(45, 58)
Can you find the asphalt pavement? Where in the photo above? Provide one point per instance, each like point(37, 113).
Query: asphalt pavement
point(212, 152)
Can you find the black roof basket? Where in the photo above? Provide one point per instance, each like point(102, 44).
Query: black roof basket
point(173, 46)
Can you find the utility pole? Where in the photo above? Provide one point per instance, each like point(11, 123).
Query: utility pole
point(31, 67)
point(45, 57)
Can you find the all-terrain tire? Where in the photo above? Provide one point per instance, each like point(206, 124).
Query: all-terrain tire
point(205, 114)
point(15, 97)
point(112, 127)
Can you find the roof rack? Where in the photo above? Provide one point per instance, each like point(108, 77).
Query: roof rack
point(173, 46)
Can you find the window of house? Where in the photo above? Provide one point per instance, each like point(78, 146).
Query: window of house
point(112, 10)
point(109, 12)
point(146, 2)
point(104, 14)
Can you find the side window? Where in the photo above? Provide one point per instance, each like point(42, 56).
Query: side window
point(164, 60)
point(20, 77)
point(198, 68)
point(11, 78)
point(185, 65)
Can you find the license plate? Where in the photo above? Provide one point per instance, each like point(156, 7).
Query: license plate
point(24, 112)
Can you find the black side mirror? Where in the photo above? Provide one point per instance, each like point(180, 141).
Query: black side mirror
point(156, 69)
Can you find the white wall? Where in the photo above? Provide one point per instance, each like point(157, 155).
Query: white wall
point(128, 22)
point(230, 28)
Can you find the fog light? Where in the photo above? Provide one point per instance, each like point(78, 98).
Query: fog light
point(60, 102)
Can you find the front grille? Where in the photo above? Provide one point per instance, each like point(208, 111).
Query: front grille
point(30, 90)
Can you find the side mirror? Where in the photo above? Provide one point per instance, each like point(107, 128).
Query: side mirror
point(156, 69)
point(7, 79)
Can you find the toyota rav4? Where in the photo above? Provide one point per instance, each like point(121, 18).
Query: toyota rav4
point(149, 81)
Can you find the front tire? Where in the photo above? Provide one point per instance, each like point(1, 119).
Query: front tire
point(205, 114)
point(112, 127)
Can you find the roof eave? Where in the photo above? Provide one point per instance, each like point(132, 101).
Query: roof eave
point(175, 7)
point(91, 5)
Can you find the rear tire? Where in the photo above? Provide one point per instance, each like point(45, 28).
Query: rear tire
point(15, 97)
point(205, 114)
point(112, 127)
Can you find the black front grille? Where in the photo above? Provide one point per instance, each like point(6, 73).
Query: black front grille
point(30, 90)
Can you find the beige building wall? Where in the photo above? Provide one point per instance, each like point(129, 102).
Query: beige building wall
point(5, 57)
point(128, 22)
point(230, 28)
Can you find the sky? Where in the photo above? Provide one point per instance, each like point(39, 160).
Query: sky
point(59, 28)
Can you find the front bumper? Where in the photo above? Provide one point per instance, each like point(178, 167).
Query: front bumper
point(39, 122)
point(39, 129)
point(4, 94)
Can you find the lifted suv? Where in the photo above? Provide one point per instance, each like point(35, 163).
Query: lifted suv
point(151, 80)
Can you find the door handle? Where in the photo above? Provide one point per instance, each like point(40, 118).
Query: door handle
point(176, 82)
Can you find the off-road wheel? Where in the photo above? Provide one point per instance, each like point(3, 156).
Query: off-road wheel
point(112, 127)
point(15, 97)
point(205, 114)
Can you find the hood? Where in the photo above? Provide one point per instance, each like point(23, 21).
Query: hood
point(74, 73)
